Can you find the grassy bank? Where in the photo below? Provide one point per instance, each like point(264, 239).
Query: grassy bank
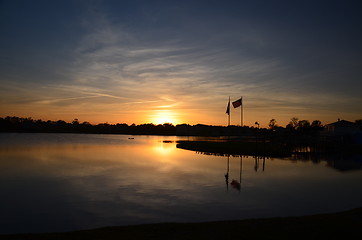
point(237, 148)
point(267, 149)
point(341, 225)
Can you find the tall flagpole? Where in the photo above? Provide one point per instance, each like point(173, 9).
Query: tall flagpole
point(229, 112)
point(241, 112)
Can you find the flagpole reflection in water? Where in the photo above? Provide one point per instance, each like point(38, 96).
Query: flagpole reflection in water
point(235, 183)
point(227, 173)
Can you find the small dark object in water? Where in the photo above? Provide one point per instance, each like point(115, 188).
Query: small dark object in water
point(130, 138)
point(235, 184)
point(167, 141)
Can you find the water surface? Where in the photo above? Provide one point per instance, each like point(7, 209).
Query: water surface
point(64, 182)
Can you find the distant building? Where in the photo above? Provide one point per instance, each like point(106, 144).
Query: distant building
point(343, 130)
point(342, 127)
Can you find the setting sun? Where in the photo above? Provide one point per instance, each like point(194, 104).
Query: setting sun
point(164, 116)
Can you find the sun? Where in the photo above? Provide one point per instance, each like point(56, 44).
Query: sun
point(163, 120)
point(164, 116)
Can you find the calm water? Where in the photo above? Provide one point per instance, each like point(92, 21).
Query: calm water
point(63, 182)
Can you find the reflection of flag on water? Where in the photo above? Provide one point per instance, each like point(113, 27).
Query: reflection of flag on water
point(235, 184)
point(228, 109)
point(237, 103)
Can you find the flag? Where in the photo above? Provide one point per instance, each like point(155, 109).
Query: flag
point(237, 103)
point(228, 108)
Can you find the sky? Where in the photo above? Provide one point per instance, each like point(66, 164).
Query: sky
point(180, 61)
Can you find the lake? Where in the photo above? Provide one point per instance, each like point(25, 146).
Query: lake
point(65, 182)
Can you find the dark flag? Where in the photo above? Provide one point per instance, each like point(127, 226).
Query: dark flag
point(228, 109)
point(238, 103)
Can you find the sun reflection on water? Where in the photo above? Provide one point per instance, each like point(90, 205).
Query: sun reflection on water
point(164, 148)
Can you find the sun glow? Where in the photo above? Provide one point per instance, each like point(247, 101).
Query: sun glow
point(164, 116)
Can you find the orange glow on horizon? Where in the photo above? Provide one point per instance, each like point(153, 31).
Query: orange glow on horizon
point(164, 116)
point(175, 115)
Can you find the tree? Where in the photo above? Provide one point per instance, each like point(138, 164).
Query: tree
point(272, 124)
point(293, 123)
point(303, 124)
point(316, 125)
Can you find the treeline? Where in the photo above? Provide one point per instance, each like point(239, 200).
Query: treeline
point(18, 124)
point(294, 127)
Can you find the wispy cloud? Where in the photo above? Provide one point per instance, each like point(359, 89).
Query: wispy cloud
point(125, 64)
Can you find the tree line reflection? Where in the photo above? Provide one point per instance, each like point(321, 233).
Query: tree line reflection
point(342, 163)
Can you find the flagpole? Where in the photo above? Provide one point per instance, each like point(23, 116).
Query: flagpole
point(229, 113)
point(241, 112)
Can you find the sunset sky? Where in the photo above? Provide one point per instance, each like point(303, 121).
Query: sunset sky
point(179, 61)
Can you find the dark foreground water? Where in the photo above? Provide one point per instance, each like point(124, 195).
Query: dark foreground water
point(64, 182)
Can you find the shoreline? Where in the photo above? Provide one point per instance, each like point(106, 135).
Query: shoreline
point(236, 148)
point(327, 225)
point(265, 149)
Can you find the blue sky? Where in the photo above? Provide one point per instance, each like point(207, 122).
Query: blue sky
point(179, 61)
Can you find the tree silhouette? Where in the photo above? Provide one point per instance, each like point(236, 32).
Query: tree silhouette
point(272, 124)
point(316, 125)
point(293, 124)
point(303, 125)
